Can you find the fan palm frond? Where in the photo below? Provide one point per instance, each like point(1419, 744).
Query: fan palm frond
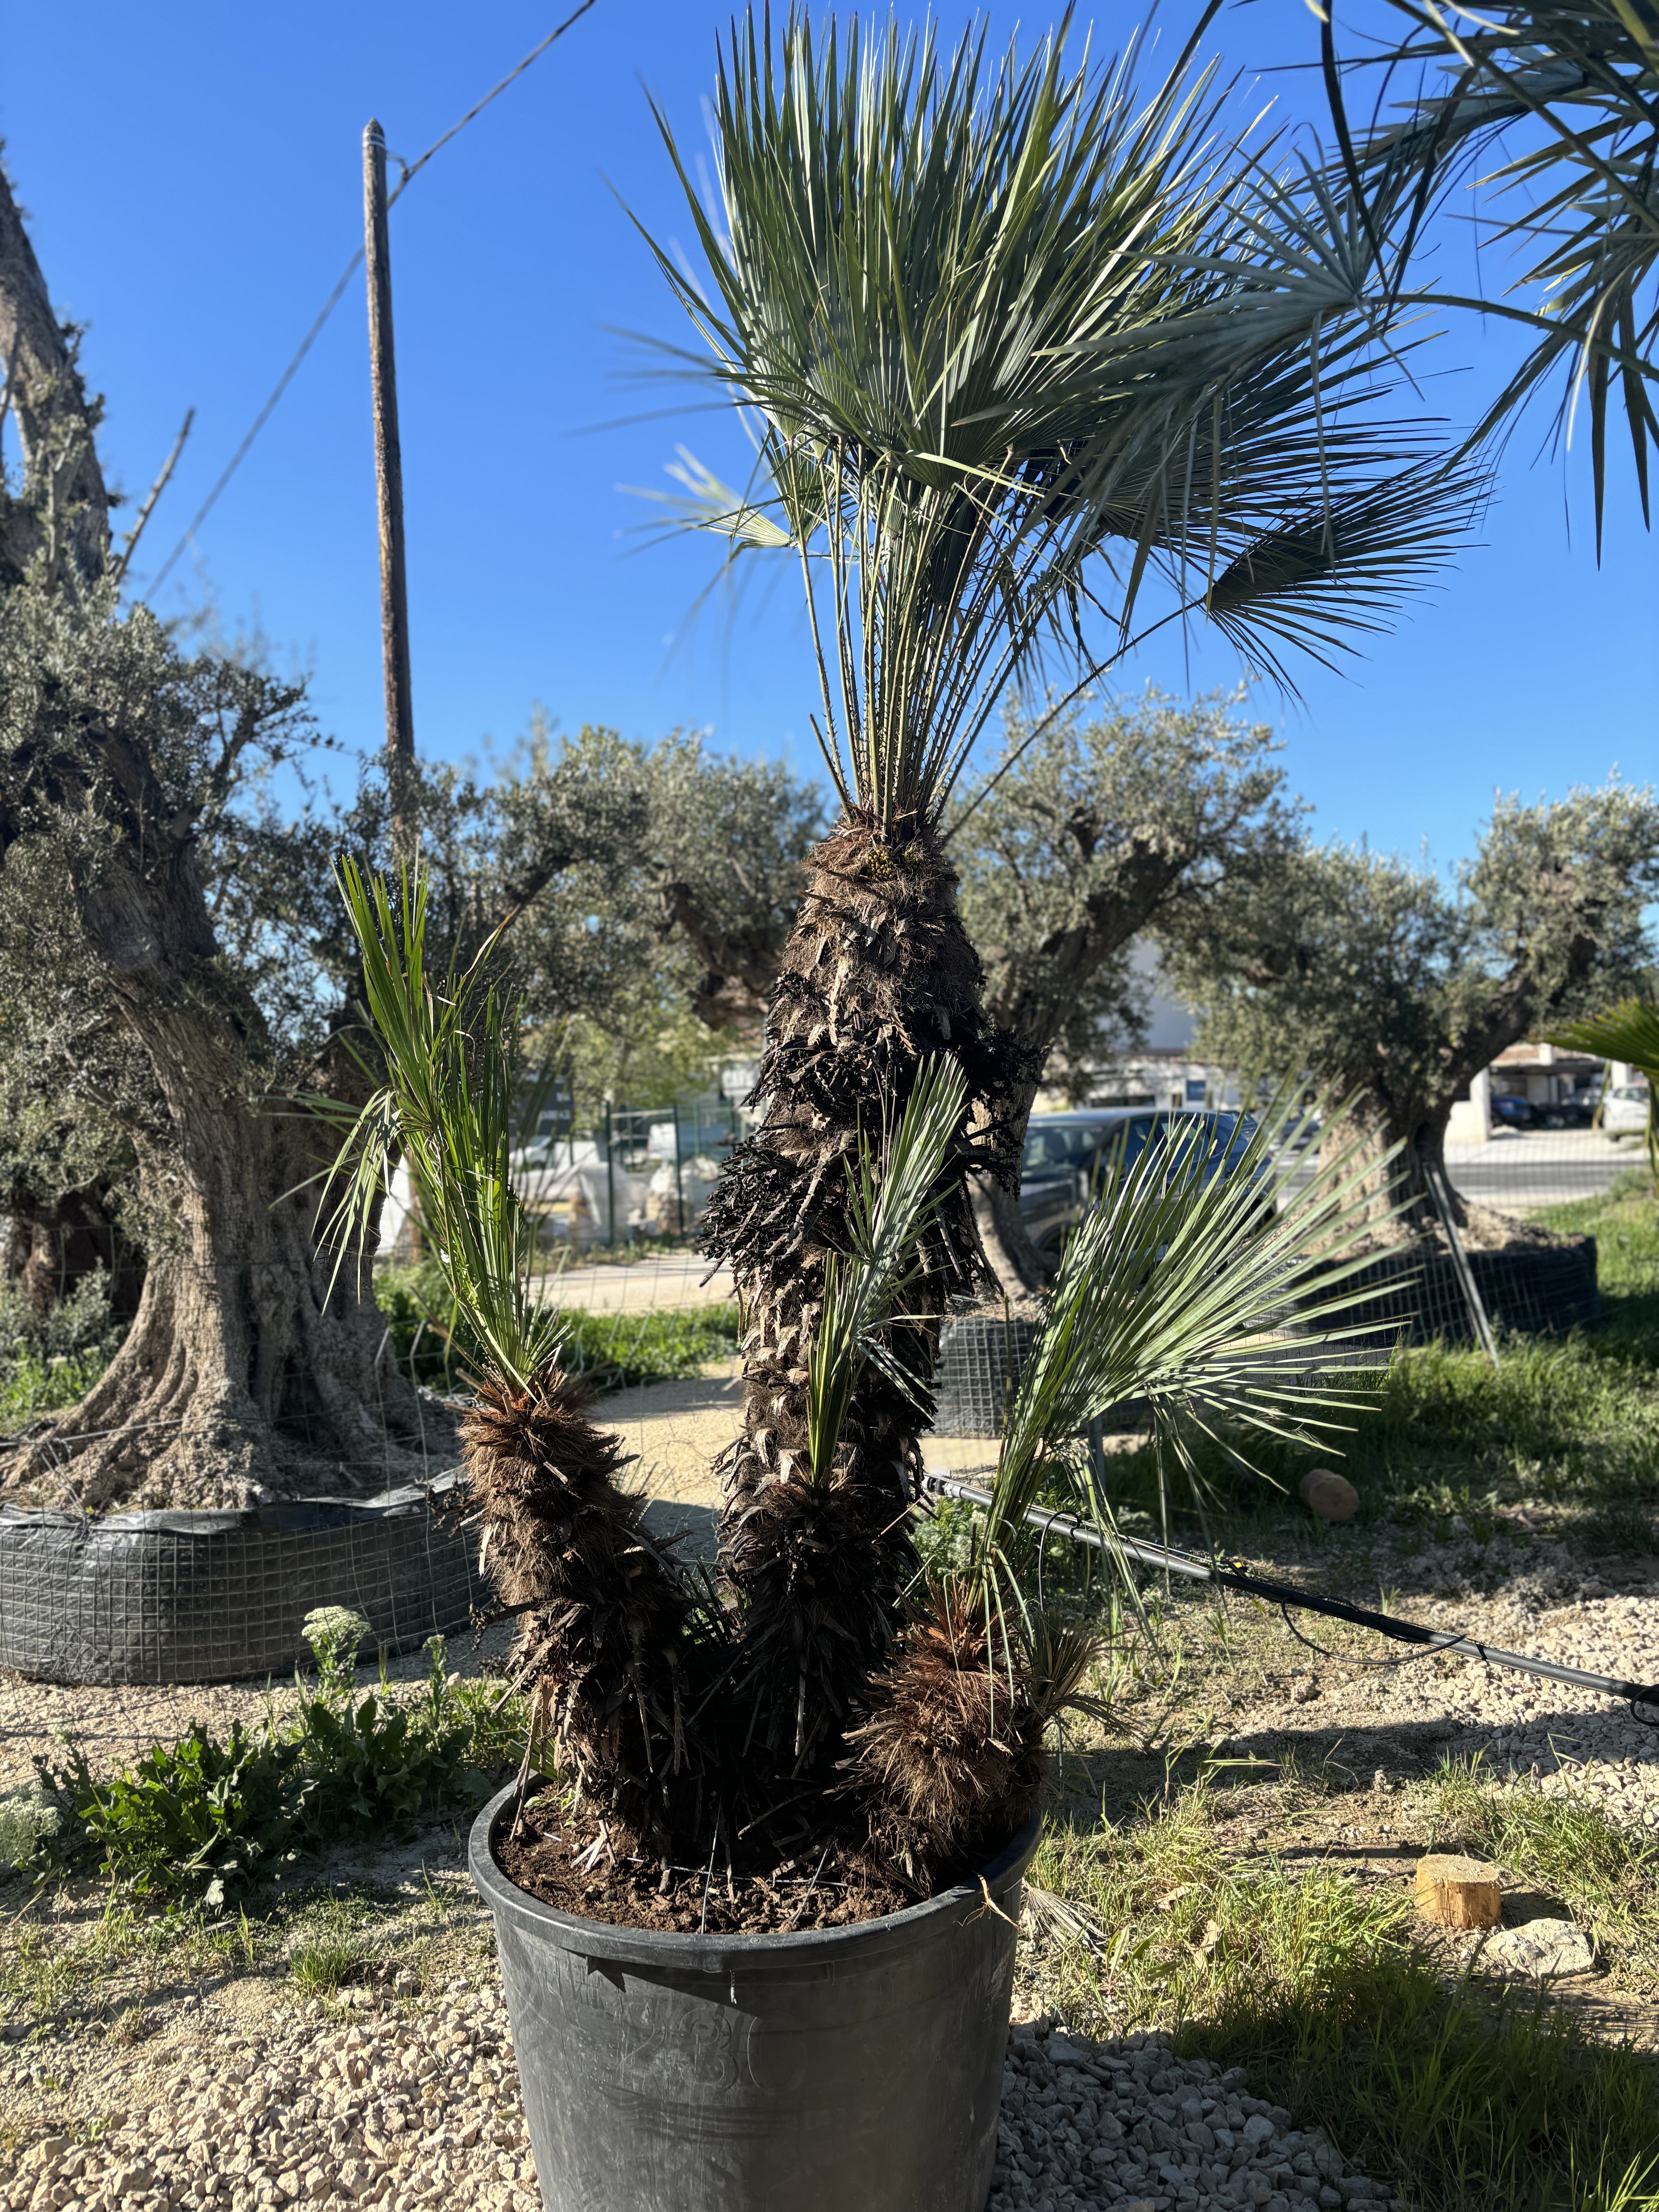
point(452, 1106)
point(1567, 93)
point(888, 1208)
point(1178, 1288)
point(1010, 338)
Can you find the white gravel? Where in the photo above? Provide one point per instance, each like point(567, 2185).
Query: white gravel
point(414, 2108)
point(1124, 2124)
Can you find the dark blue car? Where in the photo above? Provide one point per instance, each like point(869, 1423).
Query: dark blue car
point(1069, 1156)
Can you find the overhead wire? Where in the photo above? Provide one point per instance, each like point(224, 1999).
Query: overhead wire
point(409, 170)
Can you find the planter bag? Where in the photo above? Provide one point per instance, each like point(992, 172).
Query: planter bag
point(1538, 1290)
point(211, 1597)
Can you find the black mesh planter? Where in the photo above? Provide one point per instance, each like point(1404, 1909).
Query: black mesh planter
point(213, 1597)
point(980, 1358)
point(1541, 1290)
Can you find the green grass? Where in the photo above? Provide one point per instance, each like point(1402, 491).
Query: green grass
point(616, 1351)
point(1569, 1424)
point(320, 1968)
point(1604, 1874)
point(1465, 2098)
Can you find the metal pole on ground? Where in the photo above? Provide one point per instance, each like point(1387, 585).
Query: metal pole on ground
point(679, 1185)
point(1434, 1177)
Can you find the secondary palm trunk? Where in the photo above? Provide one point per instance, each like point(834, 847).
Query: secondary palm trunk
point(878, 976)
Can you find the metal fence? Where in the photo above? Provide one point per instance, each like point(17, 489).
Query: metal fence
point(638, 1172)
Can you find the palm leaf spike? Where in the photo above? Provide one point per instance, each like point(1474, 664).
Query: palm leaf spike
point(886, 1214)
point(1630, 1033)
point(449, 1104)
point(1175, 1289)
point(984, 331)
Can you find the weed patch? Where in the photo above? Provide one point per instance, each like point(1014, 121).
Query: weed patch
point(213, 1816)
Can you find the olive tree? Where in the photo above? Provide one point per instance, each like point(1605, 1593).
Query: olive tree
point(198, 933)
point(1388, 982)
point(1100, 825)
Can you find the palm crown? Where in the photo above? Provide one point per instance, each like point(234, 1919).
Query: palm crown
point(1010, 340)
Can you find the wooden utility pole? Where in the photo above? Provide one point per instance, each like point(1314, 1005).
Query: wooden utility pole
point(389, 486)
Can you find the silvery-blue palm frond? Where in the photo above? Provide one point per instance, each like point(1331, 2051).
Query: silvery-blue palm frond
point(1012, 340)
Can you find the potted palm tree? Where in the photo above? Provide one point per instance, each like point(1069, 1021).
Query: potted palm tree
point(1014, 343)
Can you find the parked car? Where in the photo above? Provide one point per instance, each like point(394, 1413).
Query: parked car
point(1068, 1156)
point(1510, 1111)
point(1574, 1113)
point(1625, 1111)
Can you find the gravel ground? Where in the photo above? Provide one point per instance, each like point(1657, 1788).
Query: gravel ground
point(1125, 2125)
point(415, 2107)
point(1400, 1719)
point(413, 2103)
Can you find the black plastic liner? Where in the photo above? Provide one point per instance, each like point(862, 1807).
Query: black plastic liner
point(216, 1597)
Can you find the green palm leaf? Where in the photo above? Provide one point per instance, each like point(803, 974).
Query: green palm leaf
point(1567, 92)
point(1177, 1290)
point(889, 1208)
point(452, 1106)
point(1012, 341)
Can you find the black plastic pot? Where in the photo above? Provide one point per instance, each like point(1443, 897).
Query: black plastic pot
point(847, 2069)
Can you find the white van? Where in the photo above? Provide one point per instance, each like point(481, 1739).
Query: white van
point(1625, 1111)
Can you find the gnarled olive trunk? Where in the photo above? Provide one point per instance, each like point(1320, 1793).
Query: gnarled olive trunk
point(247, 1373)
point(877, 978)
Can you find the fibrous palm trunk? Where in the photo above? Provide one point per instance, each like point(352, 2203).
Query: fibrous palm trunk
point(878, 977)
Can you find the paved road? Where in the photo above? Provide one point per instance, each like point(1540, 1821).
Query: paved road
point(1520, 1169)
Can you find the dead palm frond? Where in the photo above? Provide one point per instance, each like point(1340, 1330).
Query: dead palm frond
point(1011, 340)
point(1561, 97)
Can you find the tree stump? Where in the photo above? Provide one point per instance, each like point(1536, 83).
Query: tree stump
point(1459, 1892)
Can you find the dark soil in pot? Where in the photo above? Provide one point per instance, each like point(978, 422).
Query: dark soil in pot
point(579, 1866)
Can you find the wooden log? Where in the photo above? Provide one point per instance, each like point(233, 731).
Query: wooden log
point(1459, 1892)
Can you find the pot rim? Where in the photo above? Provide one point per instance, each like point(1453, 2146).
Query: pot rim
point(665, 1949)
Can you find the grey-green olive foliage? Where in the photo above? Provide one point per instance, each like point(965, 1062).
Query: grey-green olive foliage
point(1382, 979)
point(1114, 817)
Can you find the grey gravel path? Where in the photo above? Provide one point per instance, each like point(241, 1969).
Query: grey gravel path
point(1125, 2125)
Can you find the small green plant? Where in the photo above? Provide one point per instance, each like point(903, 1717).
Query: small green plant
point(48, 1361)
point(320, 1968)
point(214, 1816)
point(335, 1635)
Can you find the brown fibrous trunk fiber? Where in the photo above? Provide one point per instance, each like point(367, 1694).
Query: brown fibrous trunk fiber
point(950, 1761)
point(879, 978)
point(610, 1633)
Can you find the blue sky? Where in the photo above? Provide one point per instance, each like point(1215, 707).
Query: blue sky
point(192, 175)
